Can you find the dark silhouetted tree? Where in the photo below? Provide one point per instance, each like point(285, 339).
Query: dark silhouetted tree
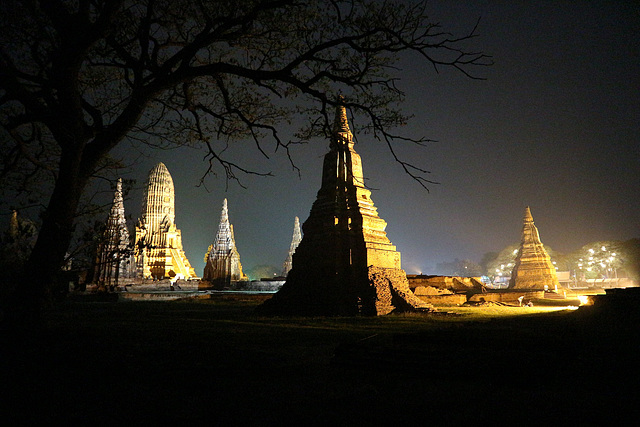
point(79, 77)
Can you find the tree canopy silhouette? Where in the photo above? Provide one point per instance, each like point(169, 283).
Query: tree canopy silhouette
point(77, 78)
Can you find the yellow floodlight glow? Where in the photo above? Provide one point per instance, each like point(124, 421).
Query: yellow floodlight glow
point(584, 299)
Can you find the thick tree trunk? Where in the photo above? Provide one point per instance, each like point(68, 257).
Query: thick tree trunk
point(37, 285)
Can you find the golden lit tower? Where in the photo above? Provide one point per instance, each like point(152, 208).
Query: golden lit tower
point(158, 244)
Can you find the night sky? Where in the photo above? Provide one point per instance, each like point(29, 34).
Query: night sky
point(555, 126)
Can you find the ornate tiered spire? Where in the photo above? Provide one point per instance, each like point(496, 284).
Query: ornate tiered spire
point(224, 241)
point(117, 222)
point(113, 257)
point(223, 260)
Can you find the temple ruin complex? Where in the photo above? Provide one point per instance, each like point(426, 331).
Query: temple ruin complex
point(223, 260)
point(114, 258)
point(295, 241)
point(158, 243)
point(533, 268)
point(345, 264)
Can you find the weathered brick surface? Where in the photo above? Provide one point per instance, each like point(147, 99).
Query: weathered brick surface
point(533, 268)
point(345, 264)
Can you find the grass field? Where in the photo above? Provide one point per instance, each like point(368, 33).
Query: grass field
point(214, 362)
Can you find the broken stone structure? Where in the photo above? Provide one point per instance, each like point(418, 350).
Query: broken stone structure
point(295, 241)
point(533, 269)
point(114, 259)
point(158, 244)
point(223, 260)
point(345, 264)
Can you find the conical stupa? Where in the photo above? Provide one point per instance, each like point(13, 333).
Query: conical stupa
point(158, 244)
point(533, 268)
point(345, 264)
point(223, 260)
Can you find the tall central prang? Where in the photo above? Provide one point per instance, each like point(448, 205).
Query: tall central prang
point(345, 264)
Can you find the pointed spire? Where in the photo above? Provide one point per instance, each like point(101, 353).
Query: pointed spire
point(118, 203)
point(532, 268)
point(224, 238)
point(297, 236)
point(116, 222)
point(527, 215)
point(341, 134)
point(341, 123)
point(295, 241)
point(224, 216)
point(223, 263)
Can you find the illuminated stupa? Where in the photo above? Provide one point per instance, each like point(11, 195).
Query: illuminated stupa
point(114, 257)
point(345, 264)
point(295, 241)
point(223, 260)
point(158, 244)
point(533, 268)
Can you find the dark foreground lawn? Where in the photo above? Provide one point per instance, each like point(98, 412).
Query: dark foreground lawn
point(214, 362)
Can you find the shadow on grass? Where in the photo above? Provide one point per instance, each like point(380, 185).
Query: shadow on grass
point(215, 362)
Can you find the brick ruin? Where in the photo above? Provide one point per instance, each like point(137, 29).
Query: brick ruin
point(533, 269)
point(345, 264)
